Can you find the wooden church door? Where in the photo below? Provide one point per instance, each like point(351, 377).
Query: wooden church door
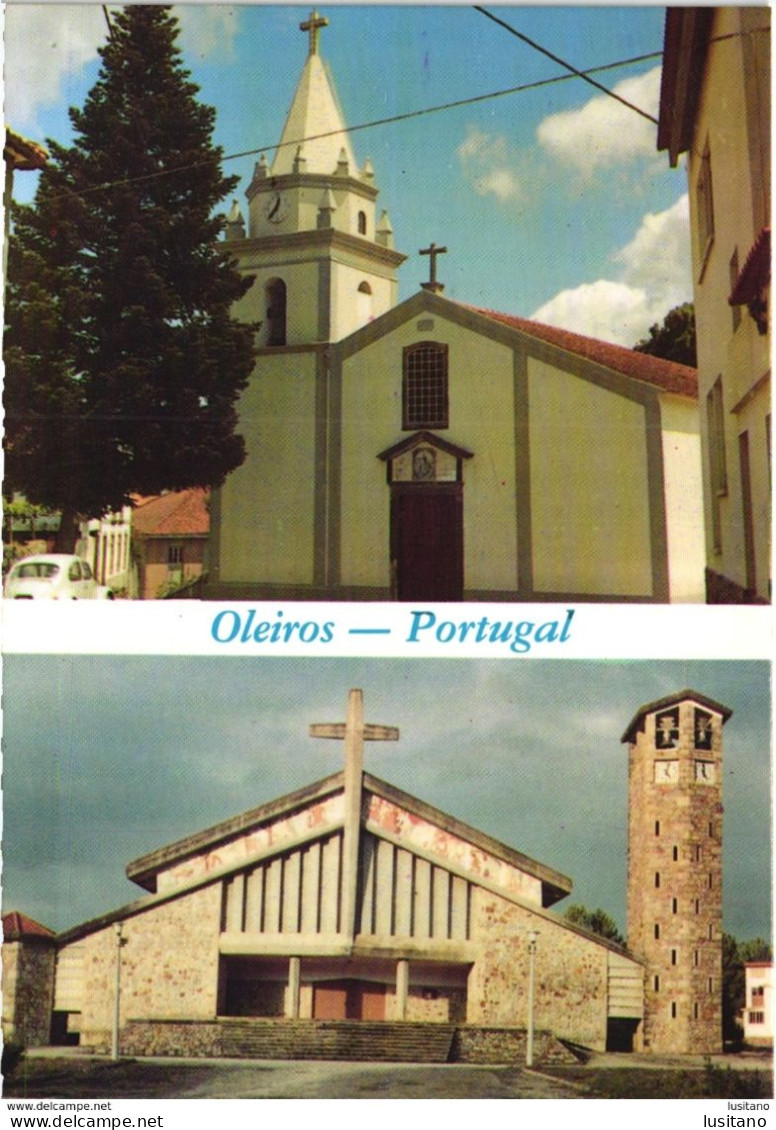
point(348, 1000)
point(427, 541)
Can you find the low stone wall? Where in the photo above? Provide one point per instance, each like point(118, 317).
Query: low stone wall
point(193, 1038)
point(506, 1045)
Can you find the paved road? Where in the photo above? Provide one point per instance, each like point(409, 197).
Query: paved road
point(308, 1080)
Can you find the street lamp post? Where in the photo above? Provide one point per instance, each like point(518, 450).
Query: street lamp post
point(120, 942)
point(529, 1048)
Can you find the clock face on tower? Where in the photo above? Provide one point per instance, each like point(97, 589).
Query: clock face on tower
point(276, 207)
point(666, 772)
point(704, 772)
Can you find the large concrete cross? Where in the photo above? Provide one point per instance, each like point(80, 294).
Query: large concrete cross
point(354, 731)
point(313, 26)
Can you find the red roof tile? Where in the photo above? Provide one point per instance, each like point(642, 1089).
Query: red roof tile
point(16, 926)
point(173, 514)
point(666, 375)
point(755, 274)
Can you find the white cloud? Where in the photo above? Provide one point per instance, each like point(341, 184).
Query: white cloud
point(604, 133)
point(654, 277)
point(47, 47)
point(486, 163)
point(604, 309)
point(208, 30)
point(658, 255)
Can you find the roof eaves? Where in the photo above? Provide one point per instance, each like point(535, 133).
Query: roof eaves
point(670, 700)
point(554, 880)
point(143, 871)
point(685, 44)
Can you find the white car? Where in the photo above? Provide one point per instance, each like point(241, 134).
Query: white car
point(54, 576)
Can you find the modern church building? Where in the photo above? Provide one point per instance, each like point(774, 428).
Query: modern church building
point(351, 908)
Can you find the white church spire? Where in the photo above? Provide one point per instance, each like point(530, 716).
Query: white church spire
point(315, 117)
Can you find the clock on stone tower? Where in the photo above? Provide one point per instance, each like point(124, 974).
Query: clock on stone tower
point(675, 869)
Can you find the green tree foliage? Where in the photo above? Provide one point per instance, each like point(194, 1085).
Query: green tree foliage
point(734, 955)
point(597, 921)
point(675, 339)
point(123, 363)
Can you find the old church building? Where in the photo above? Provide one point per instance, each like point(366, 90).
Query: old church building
point(427, 449)
point(350, 906)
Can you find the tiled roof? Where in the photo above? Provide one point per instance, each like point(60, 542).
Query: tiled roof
point(666, 375)
point(16, 926)
point(21, 153)
point(637, 722)
point(756, 271)
point(173, 514)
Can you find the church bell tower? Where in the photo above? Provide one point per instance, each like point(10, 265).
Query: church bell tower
point(321, 253)
point(675, 869)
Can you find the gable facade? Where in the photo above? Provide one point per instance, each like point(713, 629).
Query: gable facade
point(576, 481)
point(245, 920)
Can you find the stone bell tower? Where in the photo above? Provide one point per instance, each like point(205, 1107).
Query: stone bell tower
point(675, 869)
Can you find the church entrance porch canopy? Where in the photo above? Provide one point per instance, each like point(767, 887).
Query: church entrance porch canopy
point(344, 988)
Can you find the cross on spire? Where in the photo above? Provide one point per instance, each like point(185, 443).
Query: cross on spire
point(432, 253)
point(354, 731)
point(313, 25)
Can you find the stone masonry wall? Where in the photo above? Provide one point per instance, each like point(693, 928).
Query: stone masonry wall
point(675, 884)
point(570, 996)
point(169, 966)
point(28, 986)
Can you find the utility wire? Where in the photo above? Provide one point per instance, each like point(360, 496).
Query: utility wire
point(585, 75)
point(368, 125)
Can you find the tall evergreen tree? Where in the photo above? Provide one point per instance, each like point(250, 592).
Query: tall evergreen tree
point(123, 363)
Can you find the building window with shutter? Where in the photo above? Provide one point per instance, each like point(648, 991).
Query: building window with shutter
point(704, 199)
point(715, 418)
point(424, 399)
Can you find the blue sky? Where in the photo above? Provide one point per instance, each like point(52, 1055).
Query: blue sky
point(107, 758)
point(553, 203)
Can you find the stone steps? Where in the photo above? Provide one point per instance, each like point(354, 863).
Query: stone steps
point(363, 1040)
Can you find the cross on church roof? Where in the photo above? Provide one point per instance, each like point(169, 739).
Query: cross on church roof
point(432, 253)
point(313, 25)
point(355, 732)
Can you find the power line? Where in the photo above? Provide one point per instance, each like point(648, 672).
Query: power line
point(585, 75)
point(408, 116)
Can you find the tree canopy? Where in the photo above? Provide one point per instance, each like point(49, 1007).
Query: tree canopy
point(675, 339)
point(123, 361)
point(597, 921)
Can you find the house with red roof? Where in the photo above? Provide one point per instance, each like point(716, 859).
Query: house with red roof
point(429, 450)
point(169, 540)
point(28, 960)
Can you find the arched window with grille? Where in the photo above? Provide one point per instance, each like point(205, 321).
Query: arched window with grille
point(424, 390)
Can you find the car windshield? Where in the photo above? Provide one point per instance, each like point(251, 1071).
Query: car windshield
point(37, 569)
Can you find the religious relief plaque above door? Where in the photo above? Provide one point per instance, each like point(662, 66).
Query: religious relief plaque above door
point(425, 477)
